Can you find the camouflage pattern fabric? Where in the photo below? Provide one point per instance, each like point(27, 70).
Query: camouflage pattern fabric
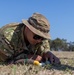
point(12, 41)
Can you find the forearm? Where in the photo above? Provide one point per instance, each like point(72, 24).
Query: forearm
point(24, 61)
point(27, 59)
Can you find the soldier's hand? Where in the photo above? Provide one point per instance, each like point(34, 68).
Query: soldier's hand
point(35, 57)
point(52, 58)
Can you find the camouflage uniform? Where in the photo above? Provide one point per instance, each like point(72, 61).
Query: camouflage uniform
point(12, 41)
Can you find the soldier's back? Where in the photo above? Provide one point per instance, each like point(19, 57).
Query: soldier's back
point(6, 33)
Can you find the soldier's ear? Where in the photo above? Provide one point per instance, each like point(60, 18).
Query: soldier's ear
point(26, 28)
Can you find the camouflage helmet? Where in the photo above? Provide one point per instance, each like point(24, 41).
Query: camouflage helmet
point(38, 24)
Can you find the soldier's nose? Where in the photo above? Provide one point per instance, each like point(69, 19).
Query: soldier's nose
point(38, 41)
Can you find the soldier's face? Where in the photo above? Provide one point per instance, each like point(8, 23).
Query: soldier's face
point(31, 37)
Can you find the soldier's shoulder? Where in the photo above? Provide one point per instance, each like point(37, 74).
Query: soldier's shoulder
point(10, 25)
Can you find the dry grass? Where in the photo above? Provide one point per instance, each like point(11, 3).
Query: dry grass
point(66, 67)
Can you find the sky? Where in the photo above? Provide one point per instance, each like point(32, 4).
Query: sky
point(60, 14)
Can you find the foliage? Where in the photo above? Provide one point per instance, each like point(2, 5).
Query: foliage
point(61, 45)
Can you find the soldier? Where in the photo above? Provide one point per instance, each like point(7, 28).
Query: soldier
point(26, 40)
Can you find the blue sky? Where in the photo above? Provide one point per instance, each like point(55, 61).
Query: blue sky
point(60, 14)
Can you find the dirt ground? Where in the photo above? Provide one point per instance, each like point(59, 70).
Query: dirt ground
point(66, 67)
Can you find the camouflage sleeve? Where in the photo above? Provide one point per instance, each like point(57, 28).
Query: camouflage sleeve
point(43, 47)
point(6, 48)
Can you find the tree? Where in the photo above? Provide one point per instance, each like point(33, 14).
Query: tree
point(71, 46)
point(58, 44)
